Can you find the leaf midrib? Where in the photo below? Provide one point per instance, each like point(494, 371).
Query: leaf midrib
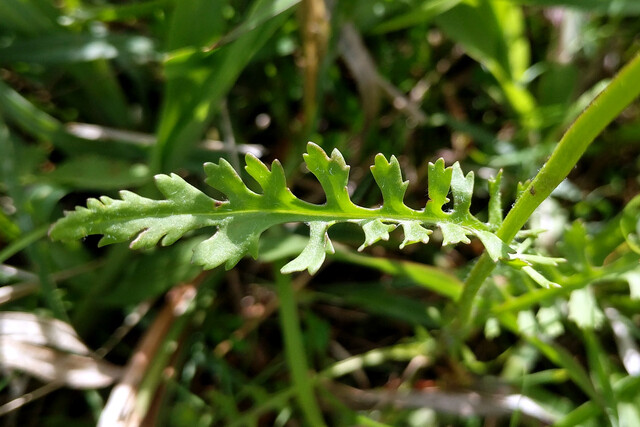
point(312, 215)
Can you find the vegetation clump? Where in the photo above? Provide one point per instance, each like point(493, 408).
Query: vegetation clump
point(328, 310)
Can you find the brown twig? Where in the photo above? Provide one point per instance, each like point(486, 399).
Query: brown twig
point(462, 403)
point(121, 408)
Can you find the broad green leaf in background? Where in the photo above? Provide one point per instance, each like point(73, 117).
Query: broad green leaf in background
point(27, 17)
point(18, 110)
point(102, 96)
point(67, 48)
point(199, 78)
point(117, 12)
point(195, 24)
point(263, 13)
point(424, 12)
point(9, 230)
point(98, 173)
point(22, 113)
point(492, 32)
point(556, 91)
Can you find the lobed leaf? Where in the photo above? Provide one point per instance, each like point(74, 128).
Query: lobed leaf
point(453, 233)
point(439, 183)
point(495, 247)
point(186, 208)
point(495, 201)
point(244, 214)
point(462, 189)
point(374, 230)
point(389, 179)
point(333, 174)
point(414, 232)
point(314, 253)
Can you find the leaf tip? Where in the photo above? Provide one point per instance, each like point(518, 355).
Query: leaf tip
point(314, 146)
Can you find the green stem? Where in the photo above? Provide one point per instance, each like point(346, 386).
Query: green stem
point(294, 350)
point(622, 90)
point(24, 241)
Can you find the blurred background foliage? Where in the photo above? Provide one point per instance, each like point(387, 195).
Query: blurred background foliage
point(98, 96)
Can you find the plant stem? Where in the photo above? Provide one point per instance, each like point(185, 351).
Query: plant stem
point(24, 241)
point(622, 90)
point(294, 349)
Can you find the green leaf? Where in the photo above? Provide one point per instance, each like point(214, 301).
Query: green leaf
point(195, 23)
point(584, 310)
point(9, 230)
point(453, 233)
point(629, 413)
point(65, 48)
point(495, 247)
point(314, 253)
point(119, 12)
point(529, 259)
point(492, 32)
point(462, 189)
point(245, 215)
point(99, 173)
point(574, 246)
point(389, 178)
point(266, 11)
point(550, 321)
point(28, 18)
point(224, 178)
point(601, 371)
point(198, 79)
point(439, 183)
point(539, 278)
point(527, 324)
point(633, 279)
point(425, 12)
point(185, 209)
point(374, 230)
point(18, 110)
point(414, 232)
point(332, 173)
point(495, 201)
point(234, 239)
point(630, 224)
point(613, 7)
point(273, 182)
